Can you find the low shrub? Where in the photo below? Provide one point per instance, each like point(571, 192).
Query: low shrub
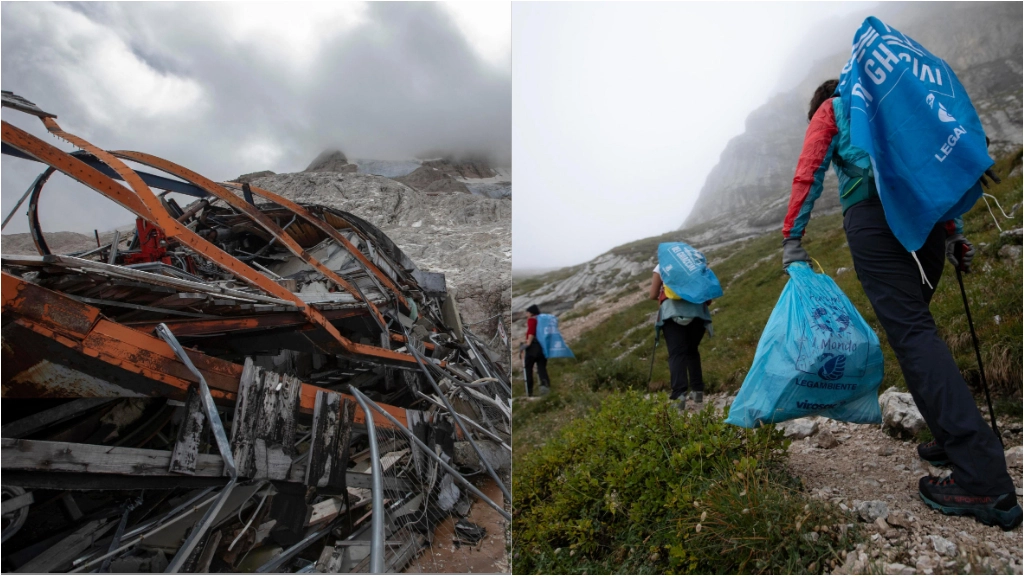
point(605, 373)
point(638, 487)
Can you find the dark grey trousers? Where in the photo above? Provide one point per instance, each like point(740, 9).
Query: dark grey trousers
point(535, 357)
point(892, 282)
point(683, 344)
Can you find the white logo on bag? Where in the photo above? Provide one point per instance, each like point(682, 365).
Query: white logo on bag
point(945, 116)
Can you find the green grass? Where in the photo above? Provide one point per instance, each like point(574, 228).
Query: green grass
point(638, 488)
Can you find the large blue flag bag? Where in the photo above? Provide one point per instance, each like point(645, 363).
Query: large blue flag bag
point(816, 356)
point(912, 116)
point(551, 341)
point(684, 269)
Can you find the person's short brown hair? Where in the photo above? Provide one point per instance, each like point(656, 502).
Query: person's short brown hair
point(822, 93)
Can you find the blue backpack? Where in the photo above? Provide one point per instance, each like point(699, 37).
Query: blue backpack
point(551, 341)
point(684, 272)
point(816, 356)
point(912, 116)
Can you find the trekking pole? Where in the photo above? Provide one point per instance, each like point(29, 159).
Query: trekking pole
point(977, 351)
point(650, 373)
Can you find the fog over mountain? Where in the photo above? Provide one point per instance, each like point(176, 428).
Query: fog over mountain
point(980, 40)
point(234, 88)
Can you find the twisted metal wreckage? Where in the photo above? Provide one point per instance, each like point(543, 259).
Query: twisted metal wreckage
point(324, 372)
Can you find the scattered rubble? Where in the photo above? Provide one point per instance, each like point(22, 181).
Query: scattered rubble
point(243, 383)
point(799, 428)
point(899, 413)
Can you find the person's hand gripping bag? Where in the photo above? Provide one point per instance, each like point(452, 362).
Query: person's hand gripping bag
point(816, 356)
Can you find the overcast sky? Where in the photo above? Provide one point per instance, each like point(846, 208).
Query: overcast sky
point(231, 88)
point(620, 110)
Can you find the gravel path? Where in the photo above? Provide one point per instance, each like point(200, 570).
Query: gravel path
point(869, 465)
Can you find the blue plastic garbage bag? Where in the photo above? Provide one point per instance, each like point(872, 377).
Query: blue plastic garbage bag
point(816, 356)
point(912, 116)
point(684, 269)
point(551, 341)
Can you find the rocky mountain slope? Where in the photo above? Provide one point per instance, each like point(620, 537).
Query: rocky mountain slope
point(982, 42)
point(465, 236)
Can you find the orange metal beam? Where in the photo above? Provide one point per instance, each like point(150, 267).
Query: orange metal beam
point(332, 233)
point(82, 328)
point(150, 208)
point(268, 224)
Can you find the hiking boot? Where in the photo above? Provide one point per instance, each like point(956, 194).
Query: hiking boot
point(544, 390)
point(697, 397)
point(946, 497)
point(682, 403)
point(932, 453)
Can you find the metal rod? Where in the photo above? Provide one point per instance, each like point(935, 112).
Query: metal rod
point(113, 248)
point(199, 530)
point(487, 432)
point(377, 522)
point(136, 541)
point(22, 200)
point(212, 416)
point(115, 542)
point(223, 446)
point(426, 449)
point(455, 416)
point(279, 560)
point(977, 350)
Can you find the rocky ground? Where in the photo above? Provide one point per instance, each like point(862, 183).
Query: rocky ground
point(464, 236)
point(866, 470)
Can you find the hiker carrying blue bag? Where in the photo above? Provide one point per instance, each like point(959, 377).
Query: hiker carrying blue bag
point(910, 154)
point(684, 286)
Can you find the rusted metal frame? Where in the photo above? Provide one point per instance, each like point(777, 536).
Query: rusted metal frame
point(94, 179)
point(252, 212)
point(34, 227)
point(73, 167)
point(332, 233)
point(82, 328)
point(183, 328)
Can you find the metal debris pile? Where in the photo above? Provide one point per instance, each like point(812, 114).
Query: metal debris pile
point(241, 383)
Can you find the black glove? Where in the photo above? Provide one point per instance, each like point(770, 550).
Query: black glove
point(792, 251)
point(957, 256)
point(990, 174)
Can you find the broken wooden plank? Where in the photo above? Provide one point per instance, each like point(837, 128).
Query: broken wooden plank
point(344, 447)
point(41, 420)
point(41, 456)
point(64, 552)
point(324, 438)
point(263, 431)
point(190, 434)
point(18, 502)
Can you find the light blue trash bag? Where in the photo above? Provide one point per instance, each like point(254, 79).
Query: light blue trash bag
point(684, 269)
point(551, 341)
point(816, 356)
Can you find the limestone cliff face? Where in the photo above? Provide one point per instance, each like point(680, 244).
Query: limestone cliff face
point(981, 41)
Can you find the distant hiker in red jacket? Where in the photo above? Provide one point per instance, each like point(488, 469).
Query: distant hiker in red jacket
point(900, 286)
point(534, 355)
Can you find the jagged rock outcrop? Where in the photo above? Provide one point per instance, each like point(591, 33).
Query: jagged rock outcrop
point(430, 179)
point(464, 236)
point(462, 169)
point(331, 161)
point(982, 42)
point(603, 275)
point(248, 178)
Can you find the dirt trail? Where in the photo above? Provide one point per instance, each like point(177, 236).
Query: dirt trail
point(869, 465)
point(489, 556)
